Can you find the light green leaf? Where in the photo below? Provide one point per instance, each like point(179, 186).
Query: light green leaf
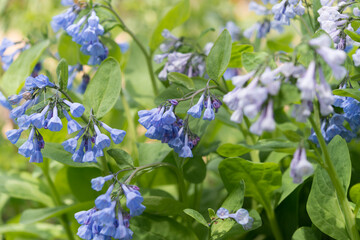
point(232, 150)
point(197, 216)
point(276, 46)
point(104, 88)
point(316, 6)
point(323, 206)
point(355, 194)
point(236, 51)
point(55, 151)
point(122, 158)
point(348, 92)
point(353, 35)
point(68, 49)
point(24, 188)
point(304, 233)
point(181, 79)
point(62, 74)
point(235, 199)
point(39, 230)
point(22, 67)
point(164, 206)
point(252, 60)
point(36, 215)
point(288, 186)
point(175, 17)
point(261, 179)
point(219, 56)
point(195, 170)
point(212, 213)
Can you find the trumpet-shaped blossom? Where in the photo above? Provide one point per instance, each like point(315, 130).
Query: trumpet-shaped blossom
point(54, 124)
point(300, 166)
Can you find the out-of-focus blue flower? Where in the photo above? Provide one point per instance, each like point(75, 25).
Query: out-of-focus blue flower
point(98, 183)
point(300, 166)
point(222, 213)
point(104, 200)
point(14, 135)
point(4, 102)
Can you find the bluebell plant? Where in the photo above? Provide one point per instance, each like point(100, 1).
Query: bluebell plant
point(241, 216)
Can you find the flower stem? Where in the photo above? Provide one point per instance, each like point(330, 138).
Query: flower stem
point(56, 197)
point(273, 223)
point(148, 56)
point(340, 192)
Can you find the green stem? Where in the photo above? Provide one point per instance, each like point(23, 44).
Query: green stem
point(56, 197)
point(273, 223)
point(179, 175)
point(340, 192)
point(132, 130)
point(148, 56)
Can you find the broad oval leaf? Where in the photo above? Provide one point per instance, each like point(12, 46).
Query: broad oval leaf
point(232, 150)
point(195, 170)
point(197, 216)
point(219, 56)
point(235, 199)
point(175, 17)
point(181, 79)
point(122, 158)
point(22, 67)
point(261, 179)
point(104, 88)
point(304, 233)
point(323, 206)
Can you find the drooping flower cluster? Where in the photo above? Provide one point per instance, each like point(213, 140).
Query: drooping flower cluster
point(86, 32)
point(255, 98)
point(300, 166)
point(92, 144)
point(241, 216)
point(8, 59)
point(108, 219)
point(282, 12)
point(333, 21)
point(162, 124)
point(189, 63)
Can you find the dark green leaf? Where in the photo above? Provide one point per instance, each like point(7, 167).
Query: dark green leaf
point(22, 67)
point(219, 56)
point(232, 150)
point(62, 74)
point(104, 88)
point(304, 233)
point(322, 205)
point(181, 79)
point(197, 216)
point(121, 157)
point(195, 170)
point(235, 199)
point(175, 17)
point(163, 206)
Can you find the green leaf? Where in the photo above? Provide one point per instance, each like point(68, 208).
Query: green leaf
point(348, 92)
point(276, 46)
point(261, 179)
point(68, 49)
point(152, 152)
point(316, 6)
point(304, 233)
point(24, 188)
point(56, 152)
point(195, 170)
point(39, 230)
point(229, 229)
point(164, 206)
point(287, 186)
point(219, 56)
point(355, 194)
point(104, 89)
point(235, 199)
point(22, 68)
point(236, 51)
point(122, 158)
point(323, 206)
point(36, 215)
point(175, 17)
point(62, 74)
point(181, 79)
point(252, 60)
point(212, 213)
point(147, 227)
point(232, 150)
point(353, 35)
point(197, 216)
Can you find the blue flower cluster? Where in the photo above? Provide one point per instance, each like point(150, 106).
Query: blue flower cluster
point(92, 145)
point(7, 60)
point(107, 219)
point(86, 32)
point(190, 63)
point(335, 124)
point(241, 216)
point(282, 12)
point(211, 104)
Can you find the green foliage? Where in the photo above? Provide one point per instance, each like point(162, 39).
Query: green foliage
point(323, 206)
point(175, 17)
point(195, 170)
point(236, 52)
point(104, 88)
point(62, 74)
point(347, 92)
point(68, 49)
point(181, 79)
point(219, 56)
point(304, 233)
point(197, 216)
point(252, 60)
point(22, 67)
